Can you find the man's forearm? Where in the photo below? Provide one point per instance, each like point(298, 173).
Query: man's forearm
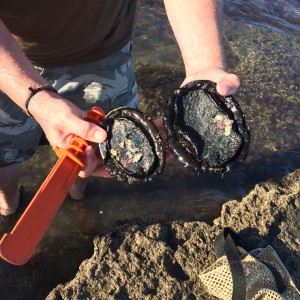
point(17, 73)
point(197, 28)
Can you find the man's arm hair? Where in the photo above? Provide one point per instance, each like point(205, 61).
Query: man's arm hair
point(197, 26)
point(17, 72)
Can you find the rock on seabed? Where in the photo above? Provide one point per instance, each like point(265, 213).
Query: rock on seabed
point(163, 261)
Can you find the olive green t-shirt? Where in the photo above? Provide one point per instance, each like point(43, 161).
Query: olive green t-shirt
point(65, 32)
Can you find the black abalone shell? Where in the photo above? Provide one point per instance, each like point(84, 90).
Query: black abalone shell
point(133, 151)
point(206, 132)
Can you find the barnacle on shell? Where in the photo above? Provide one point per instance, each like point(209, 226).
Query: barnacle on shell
point(133, 151)
point(206, 132)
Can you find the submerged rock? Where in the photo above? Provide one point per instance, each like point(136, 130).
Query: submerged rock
point(136, 260)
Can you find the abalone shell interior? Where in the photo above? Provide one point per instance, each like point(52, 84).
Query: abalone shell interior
point(134, 150)
point(207, 130)
point(130, 147)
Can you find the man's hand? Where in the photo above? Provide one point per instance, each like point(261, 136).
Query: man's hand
point(227, 84)
point(61, 120)
point(94, 165)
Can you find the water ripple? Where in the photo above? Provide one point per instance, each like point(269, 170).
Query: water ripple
point(281, 16)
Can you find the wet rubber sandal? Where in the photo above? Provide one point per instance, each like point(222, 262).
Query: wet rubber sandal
point(206, 131)
point(133, 151)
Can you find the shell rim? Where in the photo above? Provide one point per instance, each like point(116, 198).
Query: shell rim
point(227, 105)
point(147, 126)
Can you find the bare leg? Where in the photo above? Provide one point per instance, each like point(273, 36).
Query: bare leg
point(9, 188)
point(78, 188)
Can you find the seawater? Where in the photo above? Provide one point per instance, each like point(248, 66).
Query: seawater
point(178, 194)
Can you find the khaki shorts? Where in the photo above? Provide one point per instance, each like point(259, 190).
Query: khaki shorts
point(108, 83)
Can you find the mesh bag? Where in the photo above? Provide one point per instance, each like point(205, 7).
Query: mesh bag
point(239, 274)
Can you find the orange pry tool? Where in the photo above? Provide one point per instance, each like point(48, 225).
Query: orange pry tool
point(18, 246)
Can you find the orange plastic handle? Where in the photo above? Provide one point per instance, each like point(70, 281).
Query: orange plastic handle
point(18, 246)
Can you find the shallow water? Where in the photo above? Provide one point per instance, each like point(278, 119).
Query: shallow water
point(279, 15)
point(273, 117)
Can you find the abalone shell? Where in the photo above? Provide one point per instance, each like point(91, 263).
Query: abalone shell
point(133, 151)
point(206, 132)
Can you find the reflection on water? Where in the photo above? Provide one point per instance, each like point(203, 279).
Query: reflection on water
point(278, 15)
point(272, 114)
